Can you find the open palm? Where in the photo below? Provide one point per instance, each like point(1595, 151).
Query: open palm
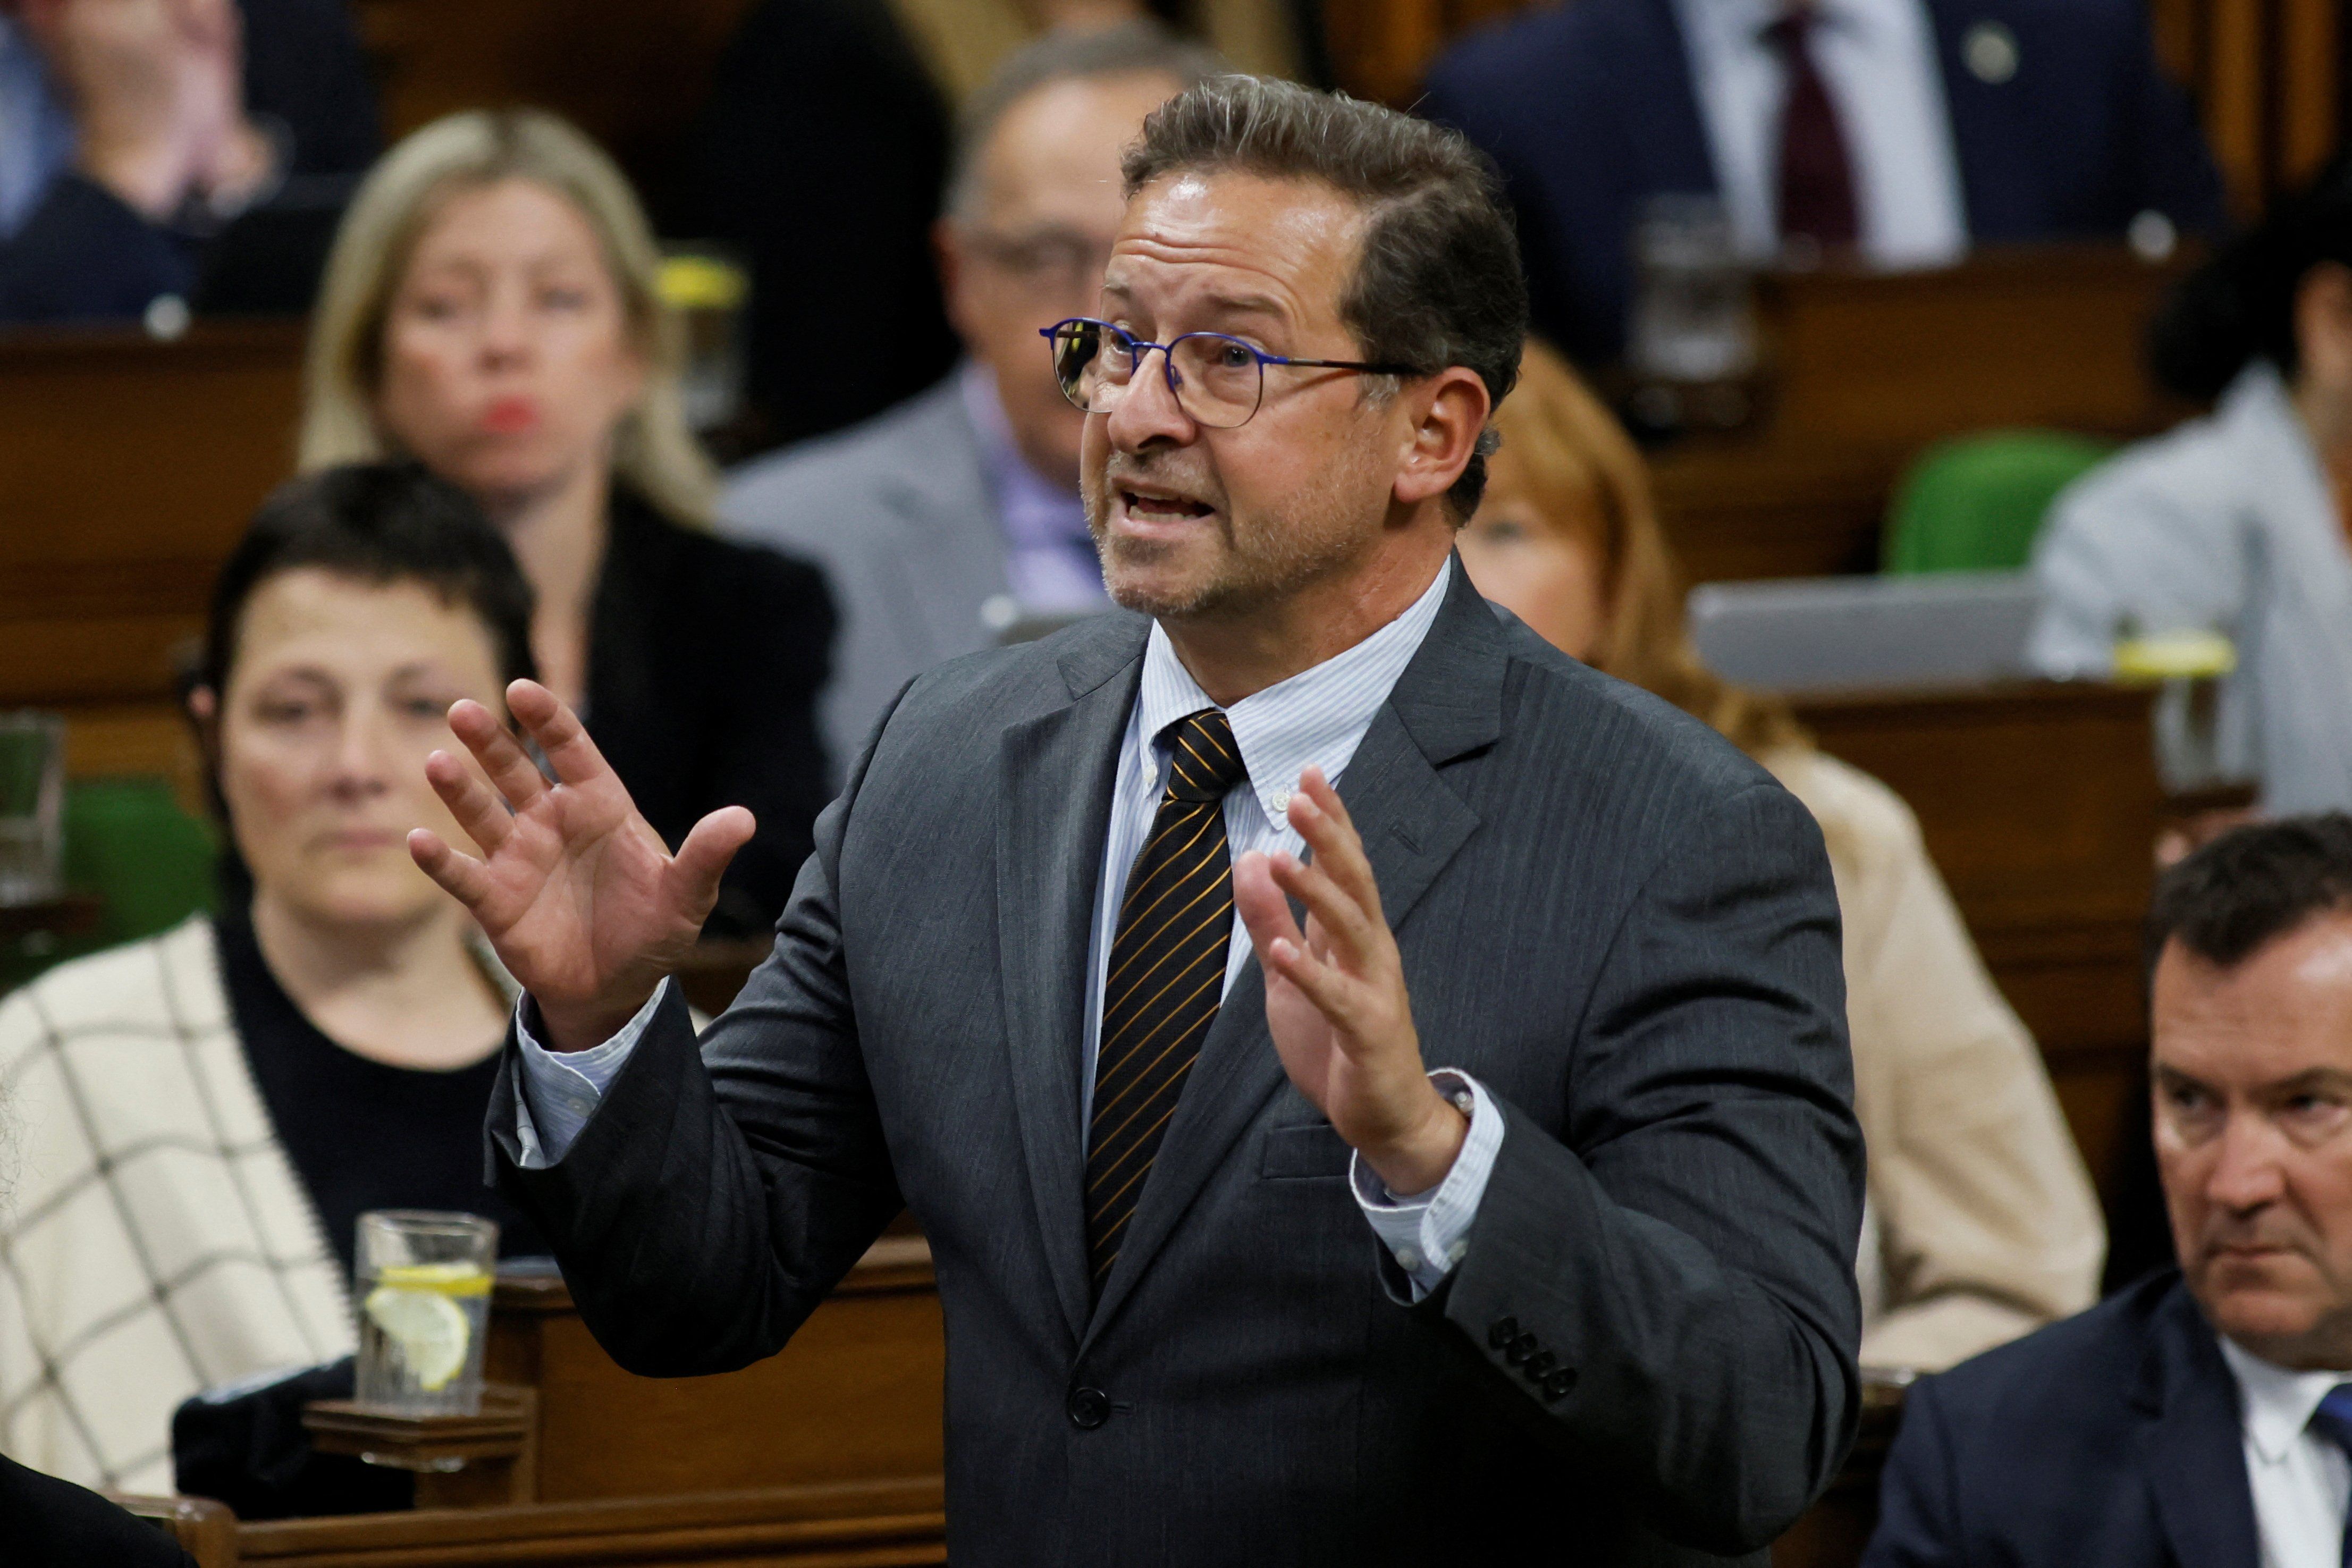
point(577, 893)
point(1336, 1001)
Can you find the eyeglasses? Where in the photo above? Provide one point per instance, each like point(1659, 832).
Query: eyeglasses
point(1218, 380)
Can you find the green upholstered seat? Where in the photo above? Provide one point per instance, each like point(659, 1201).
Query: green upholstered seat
point(1975, 503)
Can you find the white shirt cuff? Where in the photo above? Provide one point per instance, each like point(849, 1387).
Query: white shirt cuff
point(1427, 1232)
point(561, 1090)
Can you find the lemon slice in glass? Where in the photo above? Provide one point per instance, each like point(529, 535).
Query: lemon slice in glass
point(413, 1307)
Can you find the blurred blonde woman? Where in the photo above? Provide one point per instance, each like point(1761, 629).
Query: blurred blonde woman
point(1983, 1222)
point(492, 309)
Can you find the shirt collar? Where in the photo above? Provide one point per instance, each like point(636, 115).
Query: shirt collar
point(1317, 716)
point(2276, 1402)
point(1033, 510)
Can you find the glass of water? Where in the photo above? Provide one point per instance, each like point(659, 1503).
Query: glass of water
point(32, 808)
point(424, 1290)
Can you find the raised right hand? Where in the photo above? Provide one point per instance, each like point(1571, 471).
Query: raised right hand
point(581, 900)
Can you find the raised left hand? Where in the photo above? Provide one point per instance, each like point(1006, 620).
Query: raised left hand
point(1336, 1000)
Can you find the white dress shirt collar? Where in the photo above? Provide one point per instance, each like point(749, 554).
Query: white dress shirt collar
point(1317, 716)
point(2276, 1402)
point(1878, 59)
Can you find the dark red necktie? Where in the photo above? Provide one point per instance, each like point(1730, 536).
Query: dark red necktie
point(1816, 172)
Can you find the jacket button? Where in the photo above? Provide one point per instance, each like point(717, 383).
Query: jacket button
point(1519, 1350)
point(1089, 1409)
point(1558, 1384)
point(1501, 1332)
point(1537, 1365)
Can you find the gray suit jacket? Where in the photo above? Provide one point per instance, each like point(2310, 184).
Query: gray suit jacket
point(1622, 926)
point(898, 511)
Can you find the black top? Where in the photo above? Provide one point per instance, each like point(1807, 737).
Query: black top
point(362, 1134)
point(705, 658)
point(48, 1523)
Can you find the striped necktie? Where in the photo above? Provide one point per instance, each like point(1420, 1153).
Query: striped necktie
point(1166, 979)
point(2333, 1421)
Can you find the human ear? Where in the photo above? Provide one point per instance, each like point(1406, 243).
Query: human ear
point(1446, 412)
point(2323, 325)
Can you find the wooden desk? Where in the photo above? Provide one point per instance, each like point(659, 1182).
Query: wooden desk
point(829, 1452)
point(862, 1525)
point(1867, 370)
point(2039, 804)
point(858, 1393)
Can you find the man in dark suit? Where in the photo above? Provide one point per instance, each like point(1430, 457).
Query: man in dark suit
point(195, 150)
point(1229, 1275)
point(1904, 130)
point(2201, 1418)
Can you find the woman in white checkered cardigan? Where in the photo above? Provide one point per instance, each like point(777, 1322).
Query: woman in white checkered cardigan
point(198, 1117)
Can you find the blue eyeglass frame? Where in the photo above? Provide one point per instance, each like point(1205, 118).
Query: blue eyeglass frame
point(1140, 349)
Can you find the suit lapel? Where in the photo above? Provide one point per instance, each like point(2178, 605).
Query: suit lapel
point(2192, 1442)
point(1447, 703)
point(1053, 817)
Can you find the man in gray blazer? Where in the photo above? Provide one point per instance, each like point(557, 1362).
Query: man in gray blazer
point(944, 521)
point(1096, 970)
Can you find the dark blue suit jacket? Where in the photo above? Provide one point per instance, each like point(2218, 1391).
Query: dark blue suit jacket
point(2111, 1440)
point(1589, 108)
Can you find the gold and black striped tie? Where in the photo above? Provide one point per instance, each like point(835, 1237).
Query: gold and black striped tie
point(1167, 976)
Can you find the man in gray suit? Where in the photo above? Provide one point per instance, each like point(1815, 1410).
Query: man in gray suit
point(1230, 1273)
point(946, 519)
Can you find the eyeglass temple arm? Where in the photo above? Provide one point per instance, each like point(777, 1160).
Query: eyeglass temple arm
point(1343, 364)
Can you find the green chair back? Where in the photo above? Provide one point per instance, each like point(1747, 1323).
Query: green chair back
point(1975, 503)
point(148, 864)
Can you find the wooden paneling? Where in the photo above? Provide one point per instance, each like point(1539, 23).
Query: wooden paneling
point(2040, 804)
point(128, 469)
point(1865, 370)
point(2266, 75)
point(630, 73)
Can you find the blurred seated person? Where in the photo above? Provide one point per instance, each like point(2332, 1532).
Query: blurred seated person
point(2204, 1414)
point(1981, 1224)
point(205, 1114)
point(135, 134)
point(491, 309)
point(2235, 522)
point(840, 74)
point(55, 1524)
point(1896, 132)
point(943, 520)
